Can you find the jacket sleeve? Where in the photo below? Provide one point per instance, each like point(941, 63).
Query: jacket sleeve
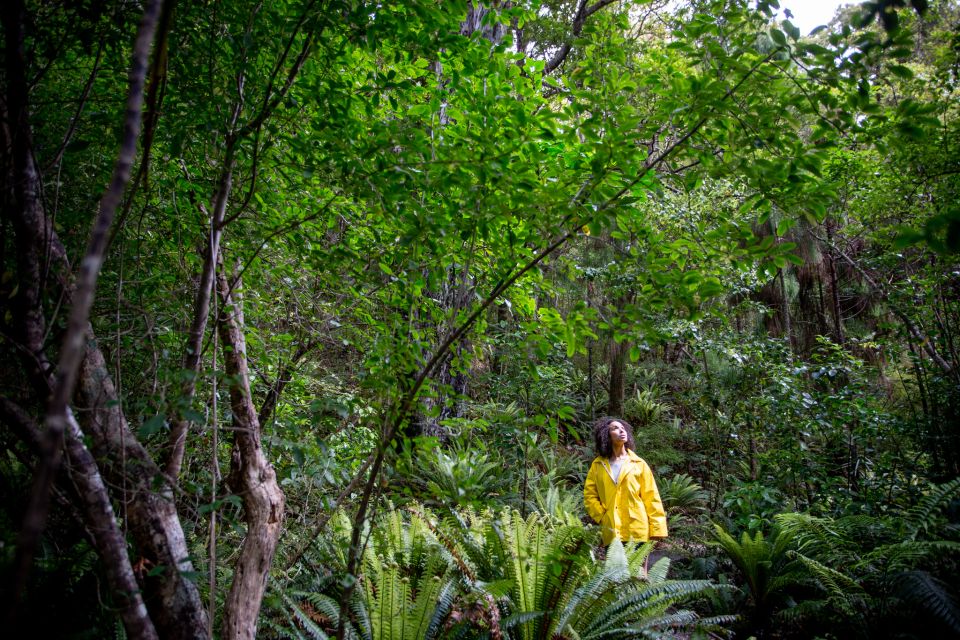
point(591, 498)
point(656, 516)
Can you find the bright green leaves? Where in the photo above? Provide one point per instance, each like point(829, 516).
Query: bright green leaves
point(573, 331)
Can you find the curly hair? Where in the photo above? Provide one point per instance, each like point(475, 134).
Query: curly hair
point(601, 435)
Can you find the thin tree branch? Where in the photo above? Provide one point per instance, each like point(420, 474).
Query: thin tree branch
point(58, 415)
point(80, 105)
point(914, 331)
point(579, 19)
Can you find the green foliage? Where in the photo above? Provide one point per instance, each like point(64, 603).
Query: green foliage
point(421, 575)
point(768, 568)
point(752, 505)
point(645, 409)
point(683, 499)
point(763, 222)
point(452, 477)
point(878, 573)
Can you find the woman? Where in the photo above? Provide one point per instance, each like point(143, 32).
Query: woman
point(620, 492)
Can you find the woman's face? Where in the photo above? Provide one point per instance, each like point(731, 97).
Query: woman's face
point(618, 433)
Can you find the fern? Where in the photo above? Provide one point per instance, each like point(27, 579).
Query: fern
point(930, 595)
point(322, 603)
point(844, 592)
point(279, 631)
point(681, 492)
point(637, 554)
point(538, 572)
point(765, 564)
point(920, 516)
point(658, 572)
point(305, 621)
point(119, 631)
point(906, 555)
point(868, 567)
point(520, 618)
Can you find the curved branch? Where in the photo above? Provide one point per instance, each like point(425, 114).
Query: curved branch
point(579, 19)
point(58, 416)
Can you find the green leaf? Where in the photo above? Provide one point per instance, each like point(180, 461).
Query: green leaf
point(193, 416)
point(900, 71)
point(783, 226)
point(152, 426)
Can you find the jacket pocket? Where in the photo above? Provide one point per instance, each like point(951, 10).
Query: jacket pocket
point(639, 526)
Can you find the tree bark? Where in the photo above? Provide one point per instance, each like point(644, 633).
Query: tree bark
point(834, 289)
point(617, 380)
point(785, 309)
point(173, 598)
point(109, 540)
point(152, 518)
point(251, 476)
point(82, 480)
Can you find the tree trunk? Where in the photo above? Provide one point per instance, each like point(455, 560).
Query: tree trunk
point(109, 540)
point(448, 383)
point(834, 289)
point(201, 311)
point(785, 309)
point(172, 597)
point(173, 600)
point(251, 476)
point(82, 480)
point(618, 369)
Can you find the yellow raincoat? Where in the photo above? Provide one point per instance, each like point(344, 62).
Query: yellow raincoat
point(629, 509)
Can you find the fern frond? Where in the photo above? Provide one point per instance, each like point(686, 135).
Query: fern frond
point(361, 613)
point(658, 572)
point(615, 565)
point(678, 619)
point(497, 588)
point(645, 601)
point(906, 555)
point(717, 621)
point(322, 603)
point(920, 516)
point(279, 631)
point(119, 631)
point(930, 595)
point(444, 603)
point(844, 591)
point(453, 549)
point(421, 611)
point(589, 596)
point(637, 554)
point(520, 618)
point(311, 627)
point(572, 555)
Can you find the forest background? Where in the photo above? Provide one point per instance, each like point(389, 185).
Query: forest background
point(309, 306)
